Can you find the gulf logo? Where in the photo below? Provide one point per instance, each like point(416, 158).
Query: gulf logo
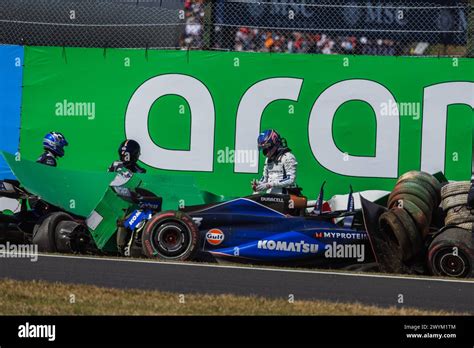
point(215, 236)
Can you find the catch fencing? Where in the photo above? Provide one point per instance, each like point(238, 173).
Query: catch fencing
point(397, 27)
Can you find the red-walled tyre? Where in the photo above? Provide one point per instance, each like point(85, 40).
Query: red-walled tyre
point(170, 235)
point(451, 253)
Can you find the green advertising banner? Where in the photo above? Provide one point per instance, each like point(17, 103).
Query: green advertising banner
point(348, 119)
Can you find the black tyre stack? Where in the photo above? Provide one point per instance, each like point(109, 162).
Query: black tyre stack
point(411, 204)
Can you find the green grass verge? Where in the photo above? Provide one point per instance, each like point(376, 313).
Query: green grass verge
point(43, 298)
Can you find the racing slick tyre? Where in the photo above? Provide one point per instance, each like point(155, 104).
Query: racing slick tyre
point(455, 188)
point(394, 229)
point(423, 176)
point(170, 235)
point(45, 234)
point(451, 253)
point(454, 201)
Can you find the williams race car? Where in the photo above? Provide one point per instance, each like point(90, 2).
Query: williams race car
point(261, 228)
point(407, 236)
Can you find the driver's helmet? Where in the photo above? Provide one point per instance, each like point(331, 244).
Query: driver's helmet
point(268, 142)
point(129, 151)
point(55, 142)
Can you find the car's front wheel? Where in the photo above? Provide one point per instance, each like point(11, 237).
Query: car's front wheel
point(170, 235)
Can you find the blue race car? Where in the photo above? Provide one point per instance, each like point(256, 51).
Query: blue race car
point(259, 229)
point(394, 236)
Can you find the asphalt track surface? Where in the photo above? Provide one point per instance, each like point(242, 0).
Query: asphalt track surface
point(185, 278)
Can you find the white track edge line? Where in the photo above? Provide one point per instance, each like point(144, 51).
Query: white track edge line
point(259, 268)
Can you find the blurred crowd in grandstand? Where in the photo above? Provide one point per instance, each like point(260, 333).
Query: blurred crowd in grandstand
point(261, 40)
point(300, 42)
point(192, 36)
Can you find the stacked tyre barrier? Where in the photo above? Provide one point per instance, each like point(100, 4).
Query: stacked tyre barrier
point(451, 253)
point(411, 204)
point(454, 203)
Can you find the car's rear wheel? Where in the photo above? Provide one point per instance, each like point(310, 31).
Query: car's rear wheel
point(45, 235)
point(71, 236)
point(170, 236)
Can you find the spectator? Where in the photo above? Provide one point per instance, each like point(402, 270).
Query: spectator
point(260, 40)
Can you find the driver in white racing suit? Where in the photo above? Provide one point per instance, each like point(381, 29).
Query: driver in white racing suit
point(279, 173)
